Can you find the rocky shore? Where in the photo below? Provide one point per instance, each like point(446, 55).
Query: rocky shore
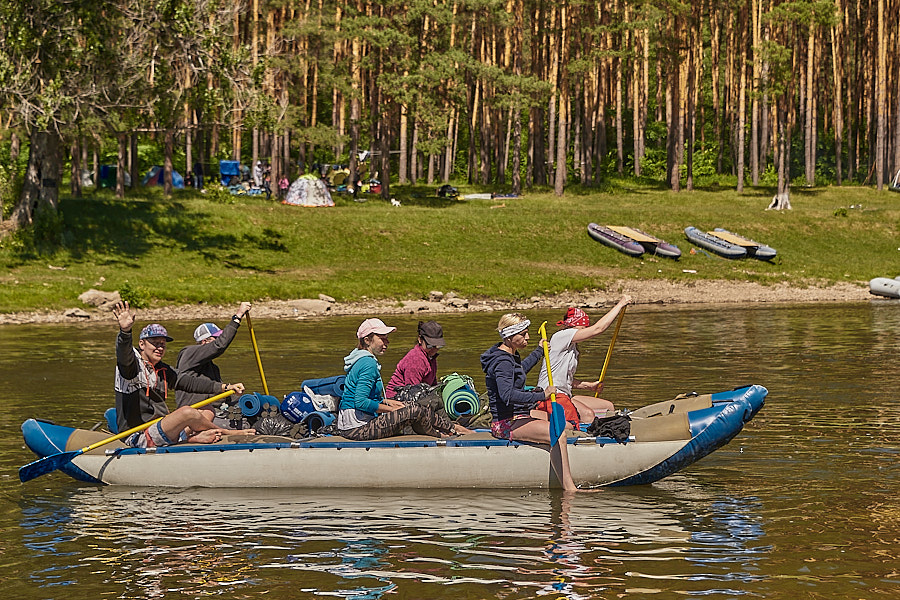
point(652, 292)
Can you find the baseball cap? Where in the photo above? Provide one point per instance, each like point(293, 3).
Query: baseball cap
point(155, 330)
point(206, 330)
point(373, 326)
point(432, 333)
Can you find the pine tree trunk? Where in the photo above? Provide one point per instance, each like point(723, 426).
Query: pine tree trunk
point(402, 166)
point(742, 106)
point(715, 51)
point(756, 17)
point(836, 107)
point(74, 174)
point(167, 162)
point(881, 98)
point(122, 138)
point(40, 189)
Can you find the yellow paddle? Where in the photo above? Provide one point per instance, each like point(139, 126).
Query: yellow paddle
point(557, 415)
point(256, 352)
point(612, 343)
point(50, 463)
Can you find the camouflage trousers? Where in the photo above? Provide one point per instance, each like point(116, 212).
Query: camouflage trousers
point(422, 419)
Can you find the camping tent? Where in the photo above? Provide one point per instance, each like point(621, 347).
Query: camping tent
point(156, 174)
point(308, 190)
point(229, 169)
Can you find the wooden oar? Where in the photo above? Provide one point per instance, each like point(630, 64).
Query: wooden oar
point(256, 352)
point(48, 464)
point(612, 343)
point(557, 414)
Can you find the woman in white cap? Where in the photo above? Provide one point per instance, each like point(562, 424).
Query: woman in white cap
point(365, 414)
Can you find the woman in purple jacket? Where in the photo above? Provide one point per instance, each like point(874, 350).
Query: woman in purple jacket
point(420, 364)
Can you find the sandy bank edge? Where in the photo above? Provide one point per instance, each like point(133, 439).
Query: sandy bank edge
point(653, 292)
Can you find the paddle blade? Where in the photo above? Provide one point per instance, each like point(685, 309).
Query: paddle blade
point(45, 465)
point(557, 421)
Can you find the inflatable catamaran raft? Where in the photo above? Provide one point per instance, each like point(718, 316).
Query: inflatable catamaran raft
point(665, 437)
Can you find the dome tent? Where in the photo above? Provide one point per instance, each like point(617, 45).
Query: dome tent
point(308, 190)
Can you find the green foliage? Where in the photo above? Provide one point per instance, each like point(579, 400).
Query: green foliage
point(215, 192)
point(136, 296)
point(653, 164)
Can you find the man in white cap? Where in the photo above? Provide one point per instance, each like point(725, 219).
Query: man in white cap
point(142, 384)
point(197, 361)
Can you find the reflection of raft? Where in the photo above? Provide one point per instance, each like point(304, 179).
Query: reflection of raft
point(633, 242)
point(882, 286)
point(665, 437)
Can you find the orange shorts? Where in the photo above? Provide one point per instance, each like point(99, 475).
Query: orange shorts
point(566, 403)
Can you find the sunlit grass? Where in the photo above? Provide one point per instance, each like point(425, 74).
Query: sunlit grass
point(187, 249)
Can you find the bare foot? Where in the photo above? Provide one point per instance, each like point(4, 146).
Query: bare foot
point(239, 431)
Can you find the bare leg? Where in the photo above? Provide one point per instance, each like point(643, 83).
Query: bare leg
point(590, 407)
point(538, 431)
point(193, 420)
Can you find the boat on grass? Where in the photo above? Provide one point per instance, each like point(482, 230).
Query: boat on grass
point(613, 239)
point(631, 241)
point(883, 286)
point(665, 437)
point(754, 248)
point(714, 243)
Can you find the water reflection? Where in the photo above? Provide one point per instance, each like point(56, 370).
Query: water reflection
point(369, 545)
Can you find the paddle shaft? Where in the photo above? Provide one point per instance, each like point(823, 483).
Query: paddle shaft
point(256, 352)
point(147, 425)
point(612, 343)
point(557, 424)
point(50, 463)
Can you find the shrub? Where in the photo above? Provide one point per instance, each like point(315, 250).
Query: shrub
point(134, 295)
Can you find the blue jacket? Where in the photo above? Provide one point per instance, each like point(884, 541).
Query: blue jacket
point(363, 388)
point(504, 376)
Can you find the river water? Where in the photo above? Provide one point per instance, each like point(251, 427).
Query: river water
point(804, 503)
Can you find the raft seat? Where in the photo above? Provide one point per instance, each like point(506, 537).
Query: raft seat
point(81, 438)
point(677, 405)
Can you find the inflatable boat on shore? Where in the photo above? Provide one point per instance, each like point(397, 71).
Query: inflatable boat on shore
point(754, 248)
point(633, 242)
point(665, 437)
point(885, 287)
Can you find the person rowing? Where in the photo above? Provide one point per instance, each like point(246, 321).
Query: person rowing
point(576, 327)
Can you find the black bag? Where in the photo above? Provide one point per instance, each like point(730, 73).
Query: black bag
point(617, 427)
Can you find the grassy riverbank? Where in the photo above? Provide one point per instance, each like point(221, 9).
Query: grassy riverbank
point(191, 248)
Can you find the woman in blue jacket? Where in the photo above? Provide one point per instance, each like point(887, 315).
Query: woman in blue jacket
point(511, 404)
point(365, 414)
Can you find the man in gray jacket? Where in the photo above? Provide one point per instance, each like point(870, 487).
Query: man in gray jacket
point(142, 384)
point(197, 361)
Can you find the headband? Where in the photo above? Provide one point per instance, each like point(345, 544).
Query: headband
point(512, 330)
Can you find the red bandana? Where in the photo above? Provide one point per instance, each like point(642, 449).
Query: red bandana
point(575, 317)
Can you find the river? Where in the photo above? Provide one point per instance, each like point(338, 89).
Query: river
point(804, 503)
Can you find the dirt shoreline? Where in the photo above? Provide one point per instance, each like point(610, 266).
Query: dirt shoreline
point(652, 292)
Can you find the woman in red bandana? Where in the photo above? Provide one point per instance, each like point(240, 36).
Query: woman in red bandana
point(576, 327)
